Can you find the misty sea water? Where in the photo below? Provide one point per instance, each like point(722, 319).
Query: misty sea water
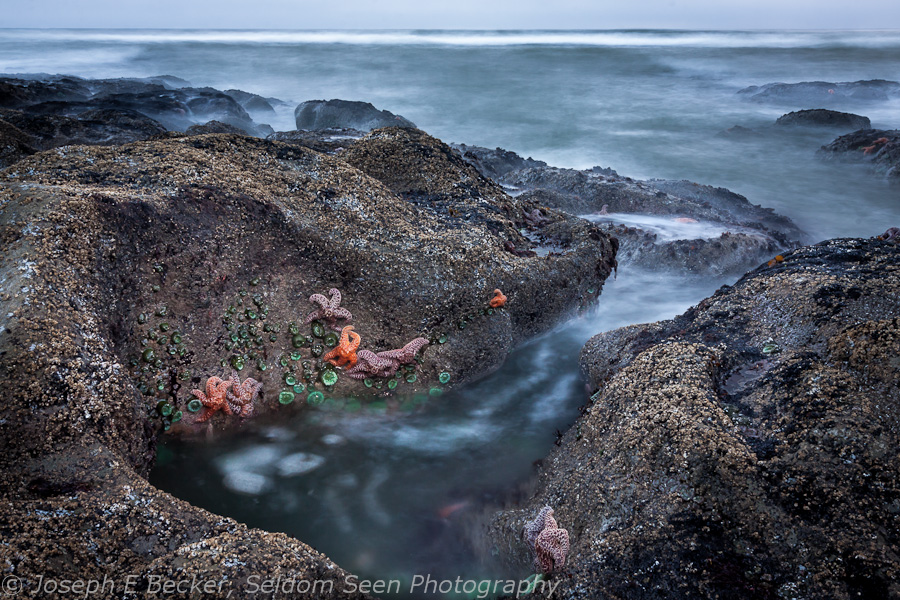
point(388, 495)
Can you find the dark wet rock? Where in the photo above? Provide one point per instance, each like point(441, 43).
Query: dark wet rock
point(823, 93)
point(495, 163)
point(16, 92)
point(94, 127)
point(162, 99)
point(15, 144)
point(345, 114)
point(328, 141)
point(213, 127)
point(129, 274)
point(753, 233)
point(746, 449)
point(879, 148)
point(820, 117)
point(251, 102)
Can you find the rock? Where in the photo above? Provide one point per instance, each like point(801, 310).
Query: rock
point(214, 127)
point(820, 117)
point(745, 449)
point(746, 233)
point(879, 148)
point(496, 163)
point(15, 144)
point(174, 106)
point(346, 114)
point(95, 127)
point(251, 102)
point(328, 141)
point(823, 93)
point(162, 254)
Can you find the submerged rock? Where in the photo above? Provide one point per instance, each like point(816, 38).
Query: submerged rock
point(877, 147)
point(751, 233)
point(345, 114)
point(746, 449)
point(823, 93)
point(820, 117)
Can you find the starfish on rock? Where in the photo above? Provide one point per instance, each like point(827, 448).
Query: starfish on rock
point(239, 399)
point(329, 309)
point(345, 352)
point(370, 364)
point(214, 399)
point(498, 301)
point(407, 353)
point(549, 544)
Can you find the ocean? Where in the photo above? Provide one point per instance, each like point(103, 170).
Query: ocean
point(377, 491)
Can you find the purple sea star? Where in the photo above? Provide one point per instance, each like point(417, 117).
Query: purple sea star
point(241, 396)
point(329, 309)
point(407, 353)
point(889, 234)
point(549, 544)
point(369, 364)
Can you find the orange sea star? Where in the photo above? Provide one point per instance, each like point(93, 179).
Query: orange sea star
point(345, 352)
point(874, 146)
point(499, 300)
point(215, 397)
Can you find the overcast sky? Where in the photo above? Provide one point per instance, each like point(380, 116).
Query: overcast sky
point(454, 14)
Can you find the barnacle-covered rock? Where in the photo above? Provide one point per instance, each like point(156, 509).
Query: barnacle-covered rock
point(100, 245)
point(704, 467)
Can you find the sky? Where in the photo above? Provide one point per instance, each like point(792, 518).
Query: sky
point(455, 14)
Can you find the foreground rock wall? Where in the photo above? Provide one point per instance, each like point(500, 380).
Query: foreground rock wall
point(132, 274)
point(746, 449)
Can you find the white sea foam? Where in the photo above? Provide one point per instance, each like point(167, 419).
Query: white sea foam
point(610, 38)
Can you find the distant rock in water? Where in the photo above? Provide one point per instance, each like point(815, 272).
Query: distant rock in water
point(879, 148)
point(745, 234)
point(744, 450)
point(328, 114)
point(163, 99)
point(251, 102)
point(823, 93)
point(821, 117)
point(739, 132)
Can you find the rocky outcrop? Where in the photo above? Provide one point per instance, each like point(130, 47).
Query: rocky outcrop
point(345, 114)
point(131, 274)
point(745, 449)
point(877, 147)
point(94, 127)
point(328, 141)
point(162, 99)
point(823, 93)
point(820, 117)
point(752, 233)
point(213, 127)
point(15, 144)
